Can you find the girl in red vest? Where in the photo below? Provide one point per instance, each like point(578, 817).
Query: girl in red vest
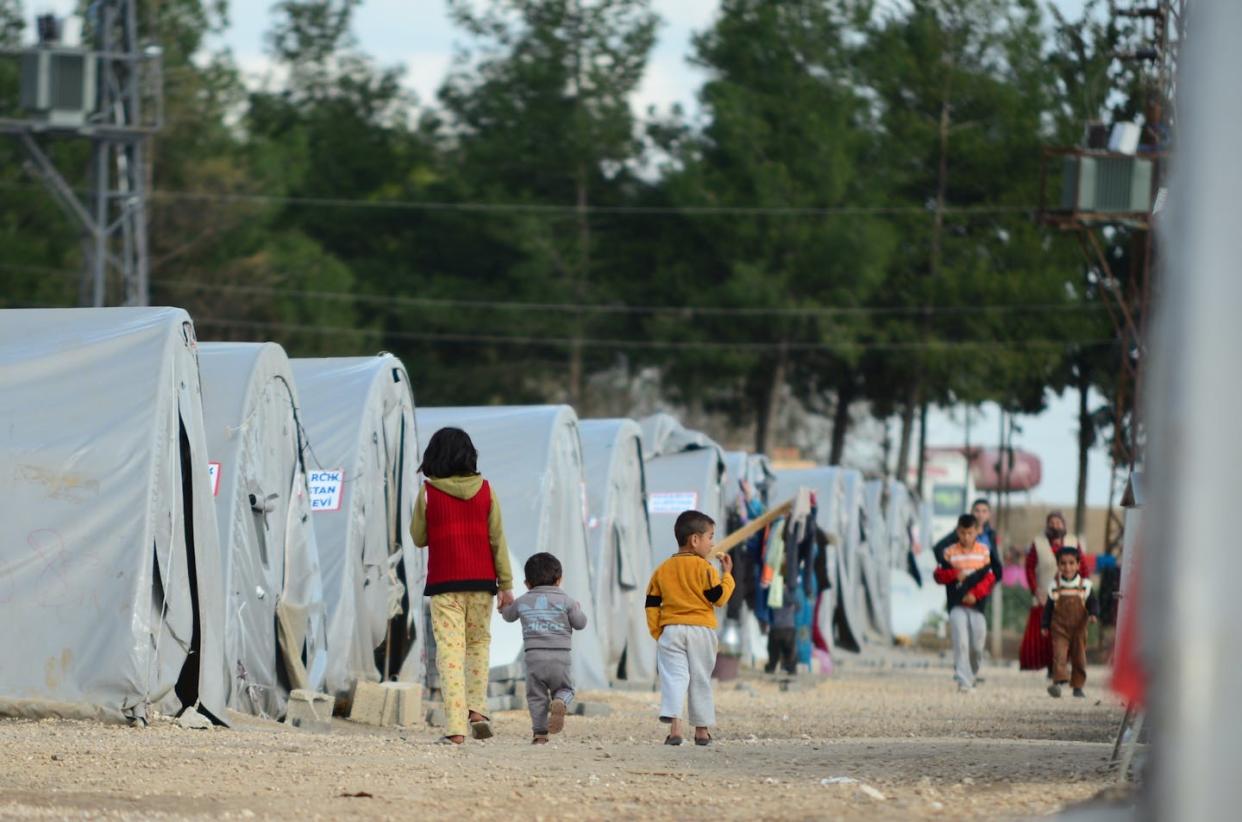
point(457, 518)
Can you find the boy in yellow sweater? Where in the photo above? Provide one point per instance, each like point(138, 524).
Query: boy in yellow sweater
point(682, 599)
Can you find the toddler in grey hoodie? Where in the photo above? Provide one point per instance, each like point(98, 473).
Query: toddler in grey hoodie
point(549, 618)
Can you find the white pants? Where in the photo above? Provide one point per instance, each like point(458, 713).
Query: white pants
point(969, 630)
point(685, 657)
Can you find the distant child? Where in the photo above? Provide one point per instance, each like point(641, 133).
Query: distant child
point(457, 518)
point(783, 635)
point(1071, 605)
point(966, 572)
point(682, 599)
point(549, 618)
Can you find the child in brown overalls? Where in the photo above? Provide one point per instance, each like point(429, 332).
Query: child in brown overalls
point(1070, 607)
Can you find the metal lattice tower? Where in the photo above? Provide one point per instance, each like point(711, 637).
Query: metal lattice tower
point(120, 109)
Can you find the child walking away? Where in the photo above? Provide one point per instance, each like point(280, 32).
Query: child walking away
point(1070, 607)
point(966, 572)
point(549, 618)
point(457, 518)
point(682, 599)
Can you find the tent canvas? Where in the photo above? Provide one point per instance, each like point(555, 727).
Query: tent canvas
point(753, 468)
point(532, 458)
point(109, 560)
point(620, 542)
point(685, 470)
point(832, 521)
point(358, 414)
point(913, 600)
point(274, 630)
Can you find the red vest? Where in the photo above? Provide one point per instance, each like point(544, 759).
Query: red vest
point(459, 550)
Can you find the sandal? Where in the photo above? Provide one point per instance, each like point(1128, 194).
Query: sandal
point(451, 740)
point(556, 716)
point(672, 740)
point(480, 728)
point(703, 740)
point(539, 739)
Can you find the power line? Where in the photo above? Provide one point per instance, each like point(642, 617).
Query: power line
point(489, 339)
point(568, 209)
point(598, 308)
point(592, 308)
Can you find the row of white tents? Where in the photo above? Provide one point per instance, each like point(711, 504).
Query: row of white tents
point(214, 525)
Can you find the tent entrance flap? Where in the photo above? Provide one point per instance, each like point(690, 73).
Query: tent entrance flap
point(187, 683)
point(400, 635)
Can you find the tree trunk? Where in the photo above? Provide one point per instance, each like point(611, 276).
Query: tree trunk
point(1086, 436)
point(579, 291)
point(841, 419)
point(770, 404)
point(922, 445)
point(907, 432)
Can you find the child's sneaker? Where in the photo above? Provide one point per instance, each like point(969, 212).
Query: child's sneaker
point(1078, 693)
point(1054, 690)
point(556, 716)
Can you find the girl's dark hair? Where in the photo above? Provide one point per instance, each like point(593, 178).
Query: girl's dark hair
point(450, 453)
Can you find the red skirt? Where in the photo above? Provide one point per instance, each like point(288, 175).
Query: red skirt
point(1036, 651)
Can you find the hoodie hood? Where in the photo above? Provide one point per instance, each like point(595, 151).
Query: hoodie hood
point(460, 487)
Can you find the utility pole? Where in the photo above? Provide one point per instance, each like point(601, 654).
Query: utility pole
point(111, 95)
point(1112, 184)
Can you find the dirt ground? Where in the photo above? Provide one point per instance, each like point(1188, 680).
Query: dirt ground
point(867, 743)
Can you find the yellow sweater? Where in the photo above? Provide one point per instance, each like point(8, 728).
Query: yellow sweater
point(685, 590)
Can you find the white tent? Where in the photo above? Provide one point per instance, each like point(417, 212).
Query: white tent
point(109, 557)
point(274, 629)
point(685, 470)
point(913, 600)
point(620, 543)
point(532, 457)
point(876, 562)
point(833, 521)
point(362, 452)
point(753, 468)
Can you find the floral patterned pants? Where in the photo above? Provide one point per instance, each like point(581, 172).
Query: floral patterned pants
point(462, 625)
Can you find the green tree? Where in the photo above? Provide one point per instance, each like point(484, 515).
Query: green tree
point(786, 141)
point(963, 93)
point(539, 113)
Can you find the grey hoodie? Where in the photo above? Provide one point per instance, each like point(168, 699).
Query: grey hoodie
point(549, 617)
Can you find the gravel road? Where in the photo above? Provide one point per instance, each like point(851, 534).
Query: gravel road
point(867, 743)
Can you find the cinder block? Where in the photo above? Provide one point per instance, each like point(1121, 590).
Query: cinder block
point(402, 704)
point(519, 693)
point(499, 688)
point(385, 704)
point(500, 703)
point(367, 703)
point(589, 709)
point(309, 711)
point(504, 673)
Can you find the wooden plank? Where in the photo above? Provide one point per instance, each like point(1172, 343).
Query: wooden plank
point(753, 527)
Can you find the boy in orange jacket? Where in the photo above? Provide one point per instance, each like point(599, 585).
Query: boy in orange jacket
point(682, 599)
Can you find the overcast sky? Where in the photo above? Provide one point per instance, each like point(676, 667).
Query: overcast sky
point(418, 35)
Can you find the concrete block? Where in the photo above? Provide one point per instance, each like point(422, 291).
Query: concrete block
point(402, 704)
point(435, 714)
point(500, 703)
point(367, 703)
point(309, 711)
point(519, 693)
point(504, 673)
point(499, 688)
point(590, 709)
point(385, 704)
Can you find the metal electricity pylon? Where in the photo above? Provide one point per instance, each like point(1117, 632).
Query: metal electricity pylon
point(109, 93)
